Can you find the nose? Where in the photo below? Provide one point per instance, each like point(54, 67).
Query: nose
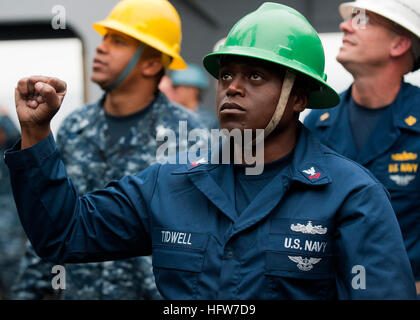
point(236, 87)
point(102, 47)
point(347, 26)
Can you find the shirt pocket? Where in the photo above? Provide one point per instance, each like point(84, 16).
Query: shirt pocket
point(178, 259)
point(298, 258)
point(397, 171)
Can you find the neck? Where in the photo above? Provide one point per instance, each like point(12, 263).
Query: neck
point(192, 105)
point(376, 89)
point(126, 100)
point(279, 144)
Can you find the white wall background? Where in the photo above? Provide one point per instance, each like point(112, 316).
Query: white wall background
point(80, 15)
point(61, 58)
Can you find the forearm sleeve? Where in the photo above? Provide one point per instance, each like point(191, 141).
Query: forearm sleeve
point(106, 224)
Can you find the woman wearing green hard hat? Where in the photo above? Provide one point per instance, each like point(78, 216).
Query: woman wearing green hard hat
point(312, 225)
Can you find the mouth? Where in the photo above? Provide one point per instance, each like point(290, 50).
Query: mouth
point(98, 63)
point(348, 42)
point(230, 107)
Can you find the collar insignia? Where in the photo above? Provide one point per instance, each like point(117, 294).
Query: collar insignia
point(312, 174)
point(324, 116)
point(196, 163)
point(410, 121)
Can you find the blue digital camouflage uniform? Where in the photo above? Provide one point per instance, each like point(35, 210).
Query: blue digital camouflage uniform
point(91, 162)
point(11, 233)
point(302, 237)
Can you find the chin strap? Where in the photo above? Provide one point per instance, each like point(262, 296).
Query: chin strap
point(128, 68)
point(286, 89)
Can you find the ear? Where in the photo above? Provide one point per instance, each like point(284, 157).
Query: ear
point(151, 67)
point(400, 45)
point(300, 100)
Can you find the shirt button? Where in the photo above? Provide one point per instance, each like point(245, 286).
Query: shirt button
point(229, 255)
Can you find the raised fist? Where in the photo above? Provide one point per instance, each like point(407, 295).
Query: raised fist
point(38, 99)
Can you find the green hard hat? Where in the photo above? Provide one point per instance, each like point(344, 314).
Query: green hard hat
point(281, 35)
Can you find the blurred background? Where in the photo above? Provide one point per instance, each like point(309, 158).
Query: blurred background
point(56, 38)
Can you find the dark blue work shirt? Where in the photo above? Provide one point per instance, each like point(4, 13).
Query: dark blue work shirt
point(118, 126)
point(391, 153)
point(363, 121)
point(248, 186)
point(306, 235)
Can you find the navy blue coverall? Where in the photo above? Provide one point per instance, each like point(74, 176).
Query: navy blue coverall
point(315, 227)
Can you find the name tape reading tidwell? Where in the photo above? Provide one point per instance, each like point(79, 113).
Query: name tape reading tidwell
point(210, 309)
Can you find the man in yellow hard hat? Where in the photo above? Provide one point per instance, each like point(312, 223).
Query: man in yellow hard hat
point(116, 136)
point(377, 122)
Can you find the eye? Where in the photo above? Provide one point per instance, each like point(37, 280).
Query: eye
point(225, 76)
point(255, 76)
point(118, 40)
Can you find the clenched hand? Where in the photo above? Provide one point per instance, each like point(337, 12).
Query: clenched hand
point(38, 99)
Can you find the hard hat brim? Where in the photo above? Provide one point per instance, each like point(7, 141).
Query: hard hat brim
point(346, 10)
point(101, 27)
point(325, 97)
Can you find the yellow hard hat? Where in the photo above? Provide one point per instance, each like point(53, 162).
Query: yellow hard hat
point(153, 22)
